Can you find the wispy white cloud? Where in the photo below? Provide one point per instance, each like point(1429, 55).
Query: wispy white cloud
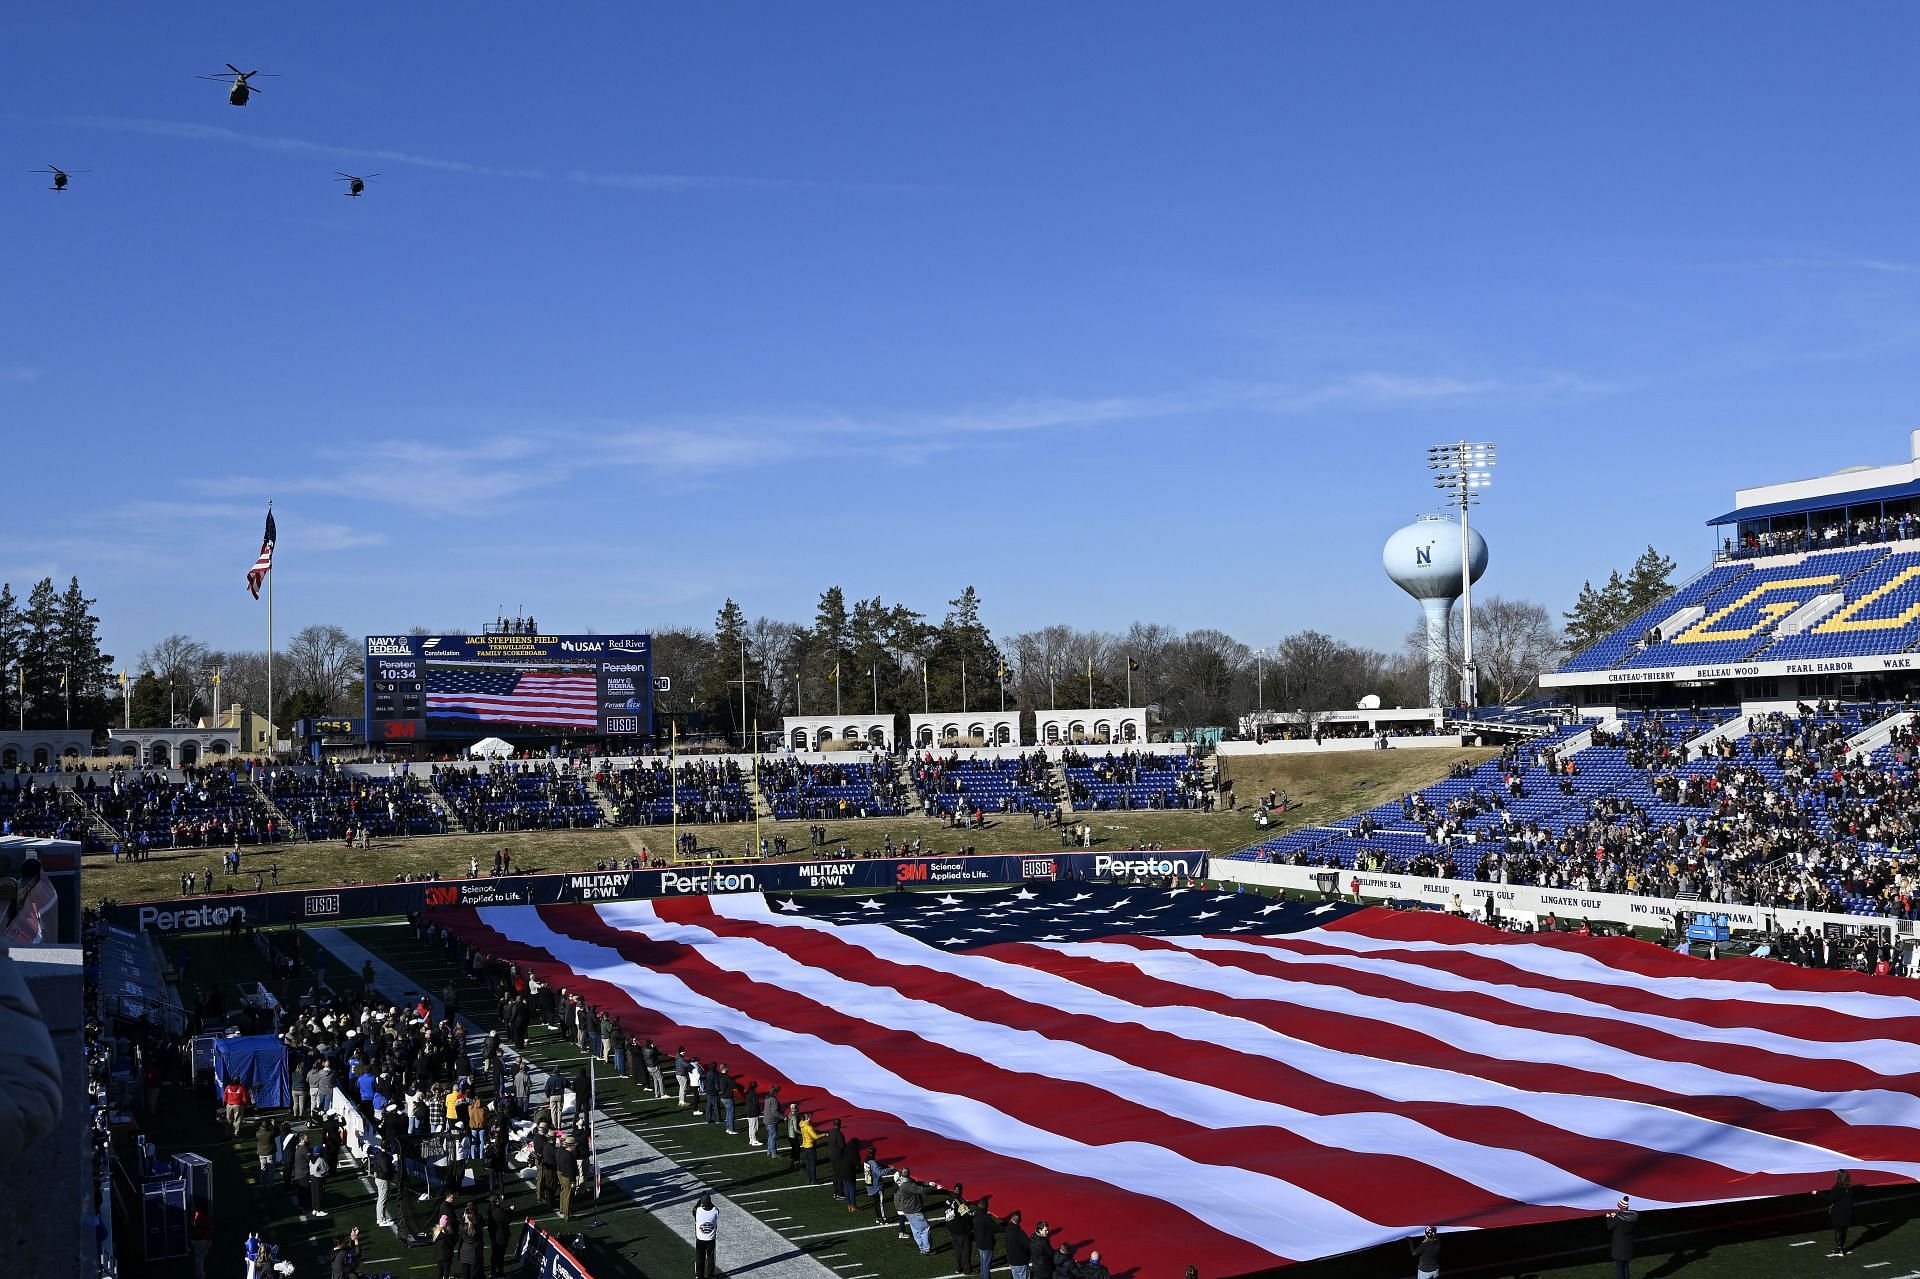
point(460, 477)
point(187, 131)
point(312, 535)
point(1832, 262)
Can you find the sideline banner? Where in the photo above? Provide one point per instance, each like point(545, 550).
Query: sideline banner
point(367, 901)
point(541, 1256)
point(1567, 903)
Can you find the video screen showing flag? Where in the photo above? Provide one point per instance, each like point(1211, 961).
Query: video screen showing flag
point(1241, 1083)
point(509, 686)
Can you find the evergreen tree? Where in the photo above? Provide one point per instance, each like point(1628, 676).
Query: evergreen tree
point(149, 696)
point(87, 671)
point(720, 694)
point(13, 634)
point(1598, 614)
point(40, 657)
point(1649, 581)
point(963, 671)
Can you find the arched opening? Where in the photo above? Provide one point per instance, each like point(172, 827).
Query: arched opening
point(130, 750)
point(159, 754)
point(72, 752)
point(821, 738)
point(1102, 731)
point(1053, 734)
point(1002, 735)
point(41, 757)
point(877, 736)
point(926, 734)
point(950, 733)
point(1076, 731)
point(189, 754)
point(799, 739)
point(851, 733)
point(1128, 731)
point(10, 757)
point(217, 747)
point(976, 732)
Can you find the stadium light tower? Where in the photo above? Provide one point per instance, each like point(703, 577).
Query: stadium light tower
point(1463, 471)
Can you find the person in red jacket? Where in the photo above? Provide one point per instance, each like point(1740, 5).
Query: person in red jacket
point(200, 1235)
point(235, 1096)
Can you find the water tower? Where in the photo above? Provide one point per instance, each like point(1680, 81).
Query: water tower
point(1425, 560)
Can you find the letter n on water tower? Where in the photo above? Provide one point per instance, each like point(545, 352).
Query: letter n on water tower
point(1423, 555)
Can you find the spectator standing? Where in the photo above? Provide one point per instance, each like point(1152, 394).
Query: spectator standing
point(910, 1201)
point(1840, 1210)
point(1426, 1254)
point(200, 1236)
point(1620, 1227)
point(877, 1184)
point(566, 1170)
point(984, 1230)
point(810, 1148)
point(317, 1170)
point(1018, 1247)
point(470, 1244)
point(770, 1116)
point(382, 1169)
point(499, 1226)
point(706, 1237)
point(960, 1232)
point(235, 1097)
point(1041, 1246)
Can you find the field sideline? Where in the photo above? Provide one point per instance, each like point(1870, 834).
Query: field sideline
point(1323, 789)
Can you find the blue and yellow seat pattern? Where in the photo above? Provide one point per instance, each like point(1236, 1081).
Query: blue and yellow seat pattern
point(1740, 619)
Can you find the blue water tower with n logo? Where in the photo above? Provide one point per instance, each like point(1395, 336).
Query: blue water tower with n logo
point(1425, 560)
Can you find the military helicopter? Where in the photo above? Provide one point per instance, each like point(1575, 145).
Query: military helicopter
point(356, 186)
point(59, 176)
point(242, 88)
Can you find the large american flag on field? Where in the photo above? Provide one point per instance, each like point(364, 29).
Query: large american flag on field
point(1240, 1083)
point(512, 695)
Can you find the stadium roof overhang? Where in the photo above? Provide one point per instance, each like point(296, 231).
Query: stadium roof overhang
point(1827, 502)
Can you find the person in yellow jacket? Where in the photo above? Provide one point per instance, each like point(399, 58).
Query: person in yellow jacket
point(810, 1148)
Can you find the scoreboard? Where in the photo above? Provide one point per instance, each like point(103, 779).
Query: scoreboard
point(439, 687)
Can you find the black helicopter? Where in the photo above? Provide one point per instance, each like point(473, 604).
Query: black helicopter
point(59, 176)
point(356, 186)
point(240, 80)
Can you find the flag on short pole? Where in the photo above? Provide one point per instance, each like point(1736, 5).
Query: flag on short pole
point(263, 562)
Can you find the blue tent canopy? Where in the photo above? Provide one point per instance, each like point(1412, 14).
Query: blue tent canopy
point(1831, 501)
point(259, 1062)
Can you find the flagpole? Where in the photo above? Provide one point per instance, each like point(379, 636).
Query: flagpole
point(1089, 683)
point(673, 782)
point(270, 642)
point(1129, 679)
point(756, 786)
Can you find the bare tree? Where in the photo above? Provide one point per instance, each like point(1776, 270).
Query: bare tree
point(1513, 642)
point(321, 664)
point(183, 664)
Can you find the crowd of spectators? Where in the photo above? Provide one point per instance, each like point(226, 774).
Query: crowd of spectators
point(327, 802)
point(822, 792)
point(211, 806)
point(693, 793)
point(519, 796)
point(1779, 813)
point(1136, 779)
point(977, 787)
point(36, 808)
point(1832, 532)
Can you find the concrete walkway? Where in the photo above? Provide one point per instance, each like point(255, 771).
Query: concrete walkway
point(652, 1180)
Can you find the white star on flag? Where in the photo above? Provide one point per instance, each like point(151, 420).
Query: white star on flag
point(790, 904)
point(870, 904)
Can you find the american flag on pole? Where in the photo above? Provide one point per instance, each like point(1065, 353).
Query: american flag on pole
point(1242, 1083)
point(513, 695)
point(263, 562)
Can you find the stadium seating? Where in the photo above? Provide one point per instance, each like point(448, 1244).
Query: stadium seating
point(1879, 614)
point(1133, 780)
point(1778, 813)
point(38, 810)
point(208, 809)
point(326, 803)
point(1022, 785)
point(815, 792)
point(519, 797)
point(1740, 617)
point(705, 792)
point(1623, 642)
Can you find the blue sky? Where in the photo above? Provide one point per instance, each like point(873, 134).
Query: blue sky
point(1115, 311)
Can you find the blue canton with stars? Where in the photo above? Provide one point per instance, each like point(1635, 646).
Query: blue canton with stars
point(1065, 912)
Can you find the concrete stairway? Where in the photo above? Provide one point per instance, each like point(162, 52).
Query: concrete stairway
point(99, 827)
